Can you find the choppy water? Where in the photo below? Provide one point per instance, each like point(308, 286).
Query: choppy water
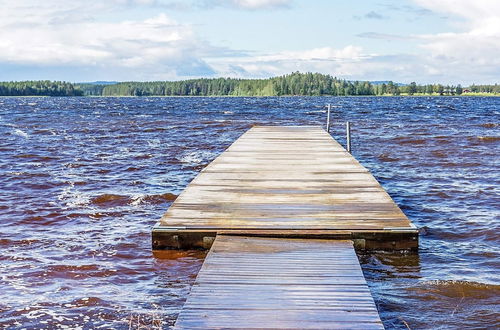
point(83, 180)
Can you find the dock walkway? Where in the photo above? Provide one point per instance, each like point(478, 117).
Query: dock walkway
point(274, 283)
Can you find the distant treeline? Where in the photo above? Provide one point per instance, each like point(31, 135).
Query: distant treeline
point(413, 88)
point(39, 88)
point(307, 84)
point(292, 84)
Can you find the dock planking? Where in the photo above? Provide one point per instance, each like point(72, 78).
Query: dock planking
point(279, 283)
point(289, 182)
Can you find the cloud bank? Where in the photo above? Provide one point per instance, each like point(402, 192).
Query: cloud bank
point(71, 34)
point(249, 4)
point(91, 36)
point(472, 52)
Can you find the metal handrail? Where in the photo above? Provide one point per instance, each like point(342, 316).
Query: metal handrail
point(347, 127)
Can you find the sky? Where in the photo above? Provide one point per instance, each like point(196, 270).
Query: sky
point(426, 41)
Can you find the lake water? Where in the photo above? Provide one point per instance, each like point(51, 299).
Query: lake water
point(83, 180)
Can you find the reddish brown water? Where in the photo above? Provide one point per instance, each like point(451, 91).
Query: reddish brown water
point(83, 180)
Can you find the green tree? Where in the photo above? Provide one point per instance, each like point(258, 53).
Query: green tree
point(412, 88)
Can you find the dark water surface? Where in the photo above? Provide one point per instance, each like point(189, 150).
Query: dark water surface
point(83, 180)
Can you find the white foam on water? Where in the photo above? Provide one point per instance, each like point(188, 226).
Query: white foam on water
point(196, 157)
point(137, 199)
point(20, 133)
point(72, 198)
point(154, 143)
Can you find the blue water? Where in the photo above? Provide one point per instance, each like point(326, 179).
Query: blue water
point(83, 180)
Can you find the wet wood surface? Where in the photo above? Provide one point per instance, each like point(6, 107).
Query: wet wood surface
point(288, 178)
point(279, 283)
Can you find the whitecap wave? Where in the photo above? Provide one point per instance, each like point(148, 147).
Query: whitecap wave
point(20, 133)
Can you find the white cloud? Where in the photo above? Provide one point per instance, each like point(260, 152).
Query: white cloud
point(71, 33)
point(341, 61)
point(91, 42)
point(324, 53)
point(472, 52)
point(248, 4)
point(259, 4)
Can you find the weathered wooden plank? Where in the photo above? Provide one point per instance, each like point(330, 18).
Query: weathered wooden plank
point(286, 178)
point(279, 283)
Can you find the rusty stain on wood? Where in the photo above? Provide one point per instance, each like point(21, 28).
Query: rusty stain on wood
point(285, 181)
point(278, 283)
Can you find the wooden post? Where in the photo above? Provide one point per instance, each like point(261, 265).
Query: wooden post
point(328, 118)
point(348, 136)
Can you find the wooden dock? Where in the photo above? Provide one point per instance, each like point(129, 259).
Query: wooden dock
point(290, 182)
point(276, 283)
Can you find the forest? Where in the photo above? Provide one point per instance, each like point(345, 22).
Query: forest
point(39, 88)
point(303, 84)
